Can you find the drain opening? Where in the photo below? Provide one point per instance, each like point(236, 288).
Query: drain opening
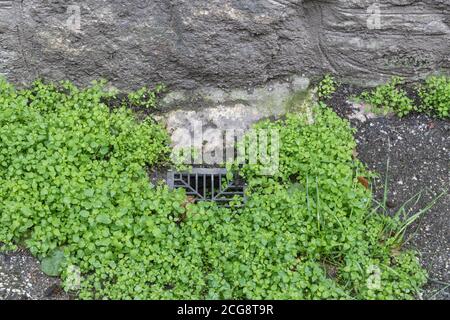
point(207, 184)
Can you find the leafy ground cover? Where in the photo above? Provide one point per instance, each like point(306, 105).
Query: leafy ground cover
point(434, 96)
point(74, 189)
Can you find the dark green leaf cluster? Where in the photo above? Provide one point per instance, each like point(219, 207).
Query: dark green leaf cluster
point(146, 97)
point(435, 96)
point(326, 87)
point(389, 98)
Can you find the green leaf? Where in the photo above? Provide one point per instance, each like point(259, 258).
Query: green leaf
point(52, 264)
point(103, 218)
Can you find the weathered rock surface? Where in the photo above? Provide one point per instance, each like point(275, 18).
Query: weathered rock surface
point(224, 43)
point(212, 112)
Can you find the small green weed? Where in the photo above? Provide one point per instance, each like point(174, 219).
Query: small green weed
point(146, 97)
point(389, 98)
point(435, 95)
point(326, 87)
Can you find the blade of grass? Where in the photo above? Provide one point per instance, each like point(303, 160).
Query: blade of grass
point(445, 284)
point(419, 214)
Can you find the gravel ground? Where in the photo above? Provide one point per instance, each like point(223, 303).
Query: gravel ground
point(418, 148)
point(22, 279)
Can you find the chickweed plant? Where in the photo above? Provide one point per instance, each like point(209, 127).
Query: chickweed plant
point(74, 191)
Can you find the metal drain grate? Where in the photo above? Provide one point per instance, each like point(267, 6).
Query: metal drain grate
point(207, 184)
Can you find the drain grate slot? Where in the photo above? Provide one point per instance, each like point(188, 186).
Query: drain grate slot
point(207, 184)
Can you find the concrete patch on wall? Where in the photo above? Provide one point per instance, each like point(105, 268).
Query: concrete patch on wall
point(212, 110)
point(235, 108)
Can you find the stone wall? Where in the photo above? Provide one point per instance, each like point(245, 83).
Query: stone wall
point(223, 43)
